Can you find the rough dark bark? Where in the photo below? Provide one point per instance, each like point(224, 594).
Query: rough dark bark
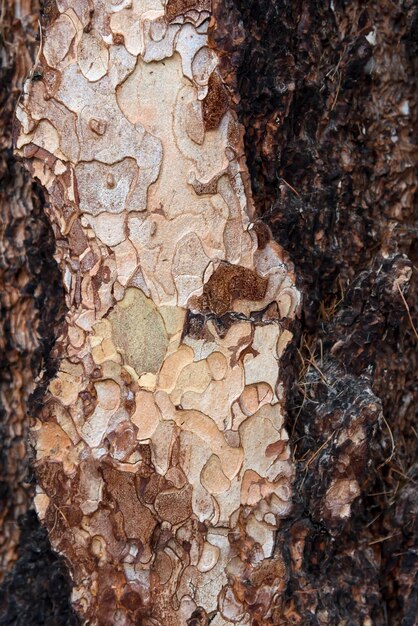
point(328, 109)
point(327, 99)
point(35, 585)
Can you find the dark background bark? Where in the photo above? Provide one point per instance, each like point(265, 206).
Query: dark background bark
point(326, 93)
point(35, 587)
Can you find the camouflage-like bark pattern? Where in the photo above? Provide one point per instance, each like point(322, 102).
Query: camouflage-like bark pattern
point(326, 94)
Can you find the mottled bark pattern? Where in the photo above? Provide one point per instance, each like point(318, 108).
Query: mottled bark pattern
point(29, 307)
point(327, 94)
point(162, 462)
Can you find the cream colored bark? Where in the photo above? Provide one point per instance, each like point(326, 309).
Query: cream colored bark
point(162, 460)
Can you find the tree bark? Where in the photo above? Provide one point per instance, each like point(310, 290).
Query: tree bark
point(326, 97)
point(162, 462)
point(36, 587)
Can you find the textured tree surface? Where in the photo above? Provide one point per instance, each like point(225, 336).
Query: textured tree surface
point(326, 96)
point(162, 463)
point(29, 305)
point(18, 341)
point(37, 589)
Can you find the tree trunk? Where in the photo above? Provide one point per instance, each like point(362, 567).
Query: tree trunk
point(164, 471)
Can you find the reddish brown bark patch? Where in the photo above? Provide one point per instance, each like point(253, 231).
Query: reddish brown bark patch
point(263, 233)
point(175, 506)
point(175, 8)
point(77, 238)
point(49, 12)
point(228, 283)
point(216, 102)
point(137, 519)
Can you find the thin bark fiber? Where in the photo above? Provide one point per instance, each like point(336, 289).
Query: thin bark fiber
point(164, 473)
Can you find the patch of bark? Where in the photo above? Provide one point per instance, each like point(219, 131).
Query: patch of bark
point(327, 99)
point(326, 94)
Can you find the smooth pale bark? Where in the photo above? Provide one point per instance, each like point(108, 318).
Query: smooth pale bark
point(161, 456)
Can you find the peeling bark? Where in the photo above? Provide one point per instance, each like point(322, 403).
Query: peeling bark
point(35, 584)
point(162, 462)
point(17, 344)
